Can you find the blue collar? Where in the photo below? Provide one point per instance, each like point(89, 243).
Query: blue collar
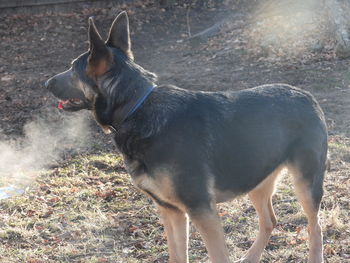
point(140, 101)
point(129, 108)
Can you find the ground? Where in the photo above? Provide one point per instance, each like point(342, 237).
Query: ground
point(83, 208)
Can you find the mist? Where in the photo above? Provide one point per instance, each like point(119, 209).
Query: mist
point(289, 30)
point(47, 138)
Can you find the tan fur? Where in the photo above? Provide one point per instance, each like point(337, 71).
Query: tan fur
point(161, 185)
point(89, 94)
point(208, 223)
point(106, 129)
point(97, 68)
point(209, 226)
point(176, 229)
point(261, 197)
point(314, 228)
point(129, 54)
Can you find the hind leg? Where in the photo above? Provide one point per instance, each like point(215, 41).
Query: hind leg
point(308, 164)
point(309, 195)
point(261, 197)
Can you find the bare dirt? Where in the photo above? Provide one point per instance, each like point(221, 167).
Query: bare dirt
point(37, 46)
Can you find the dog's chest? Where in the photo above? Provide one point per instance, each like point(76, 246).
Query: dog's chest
point(159, 186)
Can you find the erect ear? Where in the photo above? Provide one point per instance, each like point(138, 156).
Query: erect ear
point(119, 35)
point(100, 58)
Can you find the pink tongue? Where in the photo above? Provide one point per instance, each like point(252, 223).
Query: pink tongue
point(61, 103)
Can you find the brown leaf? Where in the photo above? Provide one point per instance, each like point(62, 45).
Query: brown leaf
point(328, 250)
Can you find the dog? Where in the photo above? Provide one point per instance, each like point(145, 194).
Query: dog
point(189, 150)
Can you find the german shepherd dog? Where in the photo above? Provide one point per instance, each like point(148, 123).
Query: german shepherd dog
point(189, 150)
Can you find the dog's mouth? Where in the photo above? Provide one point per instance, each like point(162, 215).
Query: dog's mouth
point(73, 104)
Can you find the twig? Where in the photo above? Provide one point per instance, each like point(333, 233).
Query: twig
point(213, 30)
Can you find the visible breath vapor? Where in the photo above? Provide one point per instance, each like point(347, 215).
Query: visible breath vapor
point(45, 140)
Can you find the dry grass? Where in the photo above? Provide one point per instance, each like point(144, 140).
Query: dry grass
point(87, 211)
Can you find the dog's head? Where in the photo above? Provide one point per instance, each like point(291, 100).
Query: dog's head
point(78, 88)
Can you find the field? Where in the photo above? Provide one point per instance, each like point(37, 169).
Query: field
point(83, 208)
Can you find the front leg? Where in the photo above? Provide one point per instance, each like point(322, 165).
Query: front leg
point(209, 226)
point(176, 229)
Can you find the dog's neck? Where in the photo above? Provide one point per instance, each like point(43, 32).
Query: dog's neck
point(122, 97)
point(123, 112)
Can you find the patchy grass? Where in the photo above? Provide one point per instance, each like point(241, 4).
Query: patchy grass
point(88, 211)
point(84, 211)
